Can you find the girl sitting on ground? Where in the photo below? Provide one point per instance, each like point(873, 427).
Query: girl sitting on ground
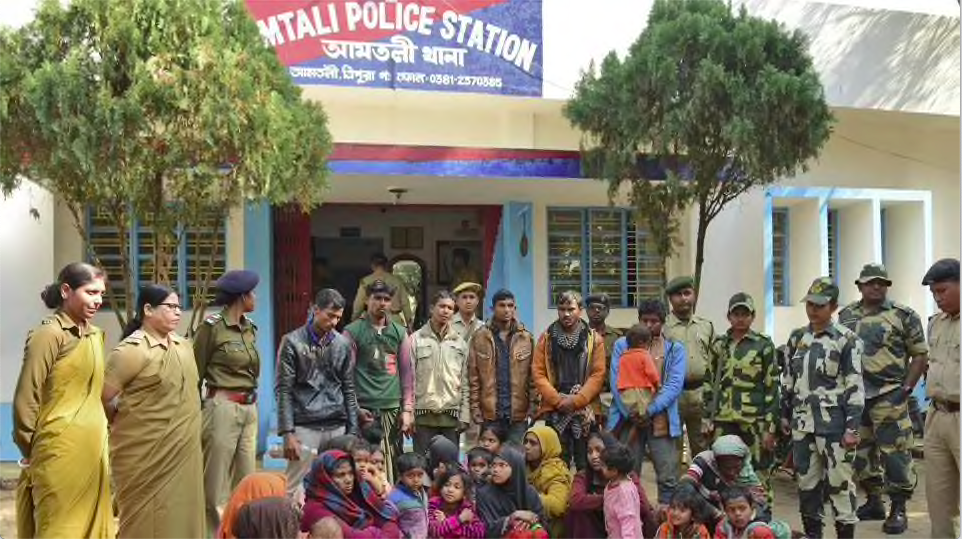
point(452, 514)
point(686, 517)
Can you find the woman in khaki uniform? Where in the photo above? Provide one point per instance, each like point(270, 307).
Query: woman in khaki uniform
point(59, 425)
point(228, 363)
point(149, 396)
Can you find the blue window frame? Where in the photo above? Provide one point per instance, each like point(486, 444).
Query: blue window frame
point(601, 250)
point(193, 254)
point(780, 256)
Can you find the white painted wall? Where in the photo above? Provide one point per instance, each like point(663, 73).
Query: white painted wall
point(26, 267)
point(856, 246)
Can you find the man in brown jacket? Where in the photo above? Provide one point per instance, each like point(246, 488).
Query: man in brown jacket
point(499, 370)
point(568, 371)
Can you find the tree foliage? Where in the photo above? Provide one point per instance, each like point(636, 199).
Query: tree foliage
point(724, 102)
point(172, 112)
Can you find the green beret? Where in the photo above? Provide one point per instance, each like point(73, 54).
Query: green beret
point(678, 284)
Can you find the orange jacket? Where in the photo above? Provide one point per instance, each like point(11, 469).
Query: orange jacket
point(544, 378)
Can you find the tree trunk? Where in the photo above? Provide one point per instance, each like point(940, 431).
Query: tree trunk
point(703, 222)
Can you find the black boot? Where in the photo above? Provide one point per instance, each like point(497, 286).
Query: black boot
point(874, 509)
point(812, 527)
point(897, 522)
point(844, 531)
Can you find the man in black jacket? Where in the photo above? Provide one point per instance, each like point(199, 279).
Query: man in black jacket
point(314, 387)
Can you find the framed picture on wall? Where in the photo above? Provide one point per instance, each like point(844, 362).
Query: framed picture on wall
point(458, 262)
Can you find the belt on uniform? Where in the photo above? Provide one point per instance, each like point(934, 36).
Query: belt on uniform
point(945, 406)
point(693, 384)
point(240, 397)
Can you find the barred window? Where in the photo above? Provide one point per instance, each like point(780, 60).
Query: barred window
point(192, 257)
point(833, 245)
point(601, 250)
point(780, 256)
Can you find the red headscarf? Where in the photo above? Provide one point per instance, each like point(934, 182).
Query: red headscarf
point(359, 510)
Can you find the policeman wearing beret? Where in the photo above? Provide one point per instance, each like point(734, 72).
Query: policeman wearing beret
point(228, 365)
point(942, 388)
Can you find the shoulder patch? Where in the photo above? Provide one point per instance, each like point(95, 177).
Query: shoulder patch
point(903, 308)
point(213, 319)
point(134, 338)
point(47, 321)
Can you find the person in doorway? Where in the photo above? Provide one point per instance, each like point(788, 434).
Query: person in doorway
point(440, 359)
point(400, 309)
point(466, 322)
point(461, 269)
point(822, 401)
point(149, 398)
point(59, 425)
point(942, 389)
point(384, 382)
point(225, 348)
point(568, 367)
point(598, 307)
point(696, 334)
point(669, 358)
point(741, 394)
point(314, 387)
point(895, 358)
point(501, 388)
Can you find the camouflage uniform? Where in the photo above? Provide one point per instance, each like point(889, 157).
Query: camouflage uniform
point(891, 337)
point(741, 396)
point(823, 397)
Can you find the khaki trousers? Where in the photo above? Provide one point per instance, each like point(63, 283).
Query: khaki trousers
point(229, 438)
point(942, 472)
point(691, 412)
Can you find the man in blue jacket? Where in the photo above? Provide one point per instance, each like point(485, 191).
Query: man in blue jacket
point(669, 357)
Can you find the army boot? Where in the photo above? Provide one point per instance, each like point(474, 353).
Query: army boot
point(897, 522)
point(844, 531)
point(812, 528)
point(873, 509)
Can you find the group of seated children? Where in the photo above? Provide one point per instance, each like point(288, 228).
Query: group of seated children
point(517, 492)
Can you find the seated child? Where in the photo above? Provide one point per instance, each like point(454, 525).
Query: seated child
point(479, 462)
point(492, 436)
point(362, 451)
point(687, 513)
point(452, 514)
point(410, 497)
point(638, 379)
point(742, 521)
point(380, 473)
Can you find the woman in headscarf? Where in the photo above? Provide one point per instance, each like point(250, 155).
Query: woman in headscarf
point(267, 518)
point(548, 474)
point(255, 486)
point(508, 504)
point(149, 396)
point(334, 488)
point(585, 517)
point(442, 453)
point(727, 463)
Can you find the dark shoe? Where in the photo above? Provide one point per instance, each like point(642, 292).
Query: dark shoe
point(812, 527)
point(845, 531)
point(874, 509)
point(897, 522)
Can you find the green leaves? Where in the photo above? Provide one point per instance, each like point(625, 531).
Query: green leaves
point(728, 94)
point(175, 108)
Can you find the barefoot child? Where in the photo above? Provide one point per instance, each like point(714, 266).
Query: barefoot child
point(452, 514)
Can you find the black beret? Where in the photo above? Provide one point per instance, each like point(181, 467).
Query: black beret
point(946, 269)
point(601, 298)
point(237, 282)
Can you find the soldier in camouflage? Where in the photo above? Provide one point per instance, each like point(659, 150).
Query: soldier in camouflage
point(894, 359)
point(741, 396)
point(822, 402)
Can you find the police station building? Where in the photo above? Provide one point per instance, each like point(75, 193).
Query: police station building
point(449, 140)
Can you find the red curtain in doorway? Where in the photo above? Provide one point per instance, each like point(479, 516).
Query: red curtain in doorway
point(491, 217)
point(292, 268)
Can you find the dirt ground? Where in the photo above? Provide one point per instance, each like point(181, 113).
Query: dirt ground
point(786, 506)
